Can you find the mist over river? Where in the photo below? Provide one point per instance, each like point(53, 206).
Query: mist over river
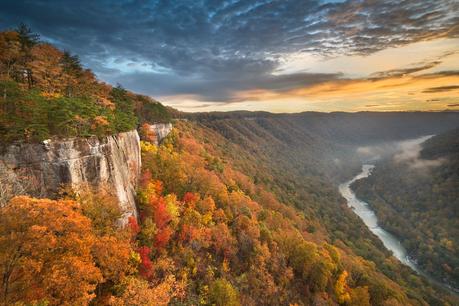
point(391, 242)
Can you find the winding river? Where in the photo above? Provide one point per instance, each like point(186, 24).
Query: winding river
point(367, 215)
point(392, 243)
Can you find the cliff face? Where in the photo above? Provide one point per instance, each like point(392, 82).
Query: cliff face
point(160, 131)
point(113, 161)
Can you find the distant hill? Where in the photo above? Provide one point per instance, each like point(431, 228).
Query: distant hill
point(322, 144)
point(444, 145)
point(360, 128)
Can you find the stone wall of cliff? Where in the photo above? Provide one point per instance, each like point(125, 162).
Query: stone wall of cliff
point(113, 161)
point(160, 131)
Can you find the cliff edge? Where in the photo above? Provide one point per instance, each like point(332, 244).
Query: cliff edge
point(113, 161)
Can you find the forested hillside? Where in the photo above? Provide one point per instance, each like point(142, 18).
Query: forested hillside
point(46, 92)
point(418, 200)
point(207, 234)
point(235, 227)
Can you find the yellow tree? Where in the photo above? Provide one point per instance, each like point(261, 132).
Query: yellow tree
point(342, 289)
point(138, 292)
point(222, 293)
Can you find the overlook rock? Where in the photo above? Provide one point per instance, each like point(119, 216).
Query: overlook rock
point(113, 161)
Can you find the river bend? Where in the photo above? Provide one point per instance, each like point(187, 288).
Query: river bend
point(391, 242)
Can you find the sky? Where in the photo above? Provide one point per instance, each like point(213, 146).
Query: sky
point(271, 55)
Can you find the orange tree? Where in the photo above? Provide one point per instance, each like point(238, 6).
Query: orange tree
point(45, 253)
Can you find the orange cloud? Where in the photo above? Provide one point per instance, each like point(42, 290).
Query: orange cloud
point(391, 93)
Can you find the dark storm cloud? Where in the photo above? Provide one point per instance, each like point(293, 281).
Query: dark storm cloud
point(219, 88)
point(212, 48)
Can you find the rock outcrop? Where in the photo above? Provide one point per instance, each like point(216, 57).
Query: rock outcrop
point(113, 161)
point(160, 131)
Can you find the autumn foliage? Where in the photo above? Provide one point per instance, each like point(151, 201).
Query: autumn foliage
point(230, 241)
point(207, 234)
point(146, 265)
point(45, 253)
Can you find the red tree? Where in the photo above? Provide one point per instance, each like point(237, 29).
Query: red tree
point(162, 237)
point(162, 217)
point(134, 226)
point(190, 198)
point(146, 266)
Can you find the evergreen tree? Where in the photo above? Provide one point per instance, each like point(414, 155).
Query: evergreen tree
point(27, 38)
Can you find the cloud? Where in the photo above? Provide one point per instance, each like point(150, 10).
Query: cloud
point(409, 152)
point(384, 88)
point(406, 152)
point(402, 72)
point(369, 26)
point(217, 88)
point(441, 89)
point(376, 152)
point(215, 49)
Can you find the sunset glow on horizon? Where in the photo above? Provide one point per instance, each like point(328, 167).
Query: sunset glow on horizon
point(422, 76)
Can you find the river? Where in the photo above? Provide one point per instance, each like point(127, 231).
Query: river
point(391, 242)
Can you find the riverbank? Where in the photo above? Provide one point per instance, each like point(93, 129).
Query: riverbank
point(391, 242)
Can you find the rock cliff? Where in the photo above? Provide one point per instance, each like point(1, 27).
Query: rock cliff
point(160, 131)
point(113, 161)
